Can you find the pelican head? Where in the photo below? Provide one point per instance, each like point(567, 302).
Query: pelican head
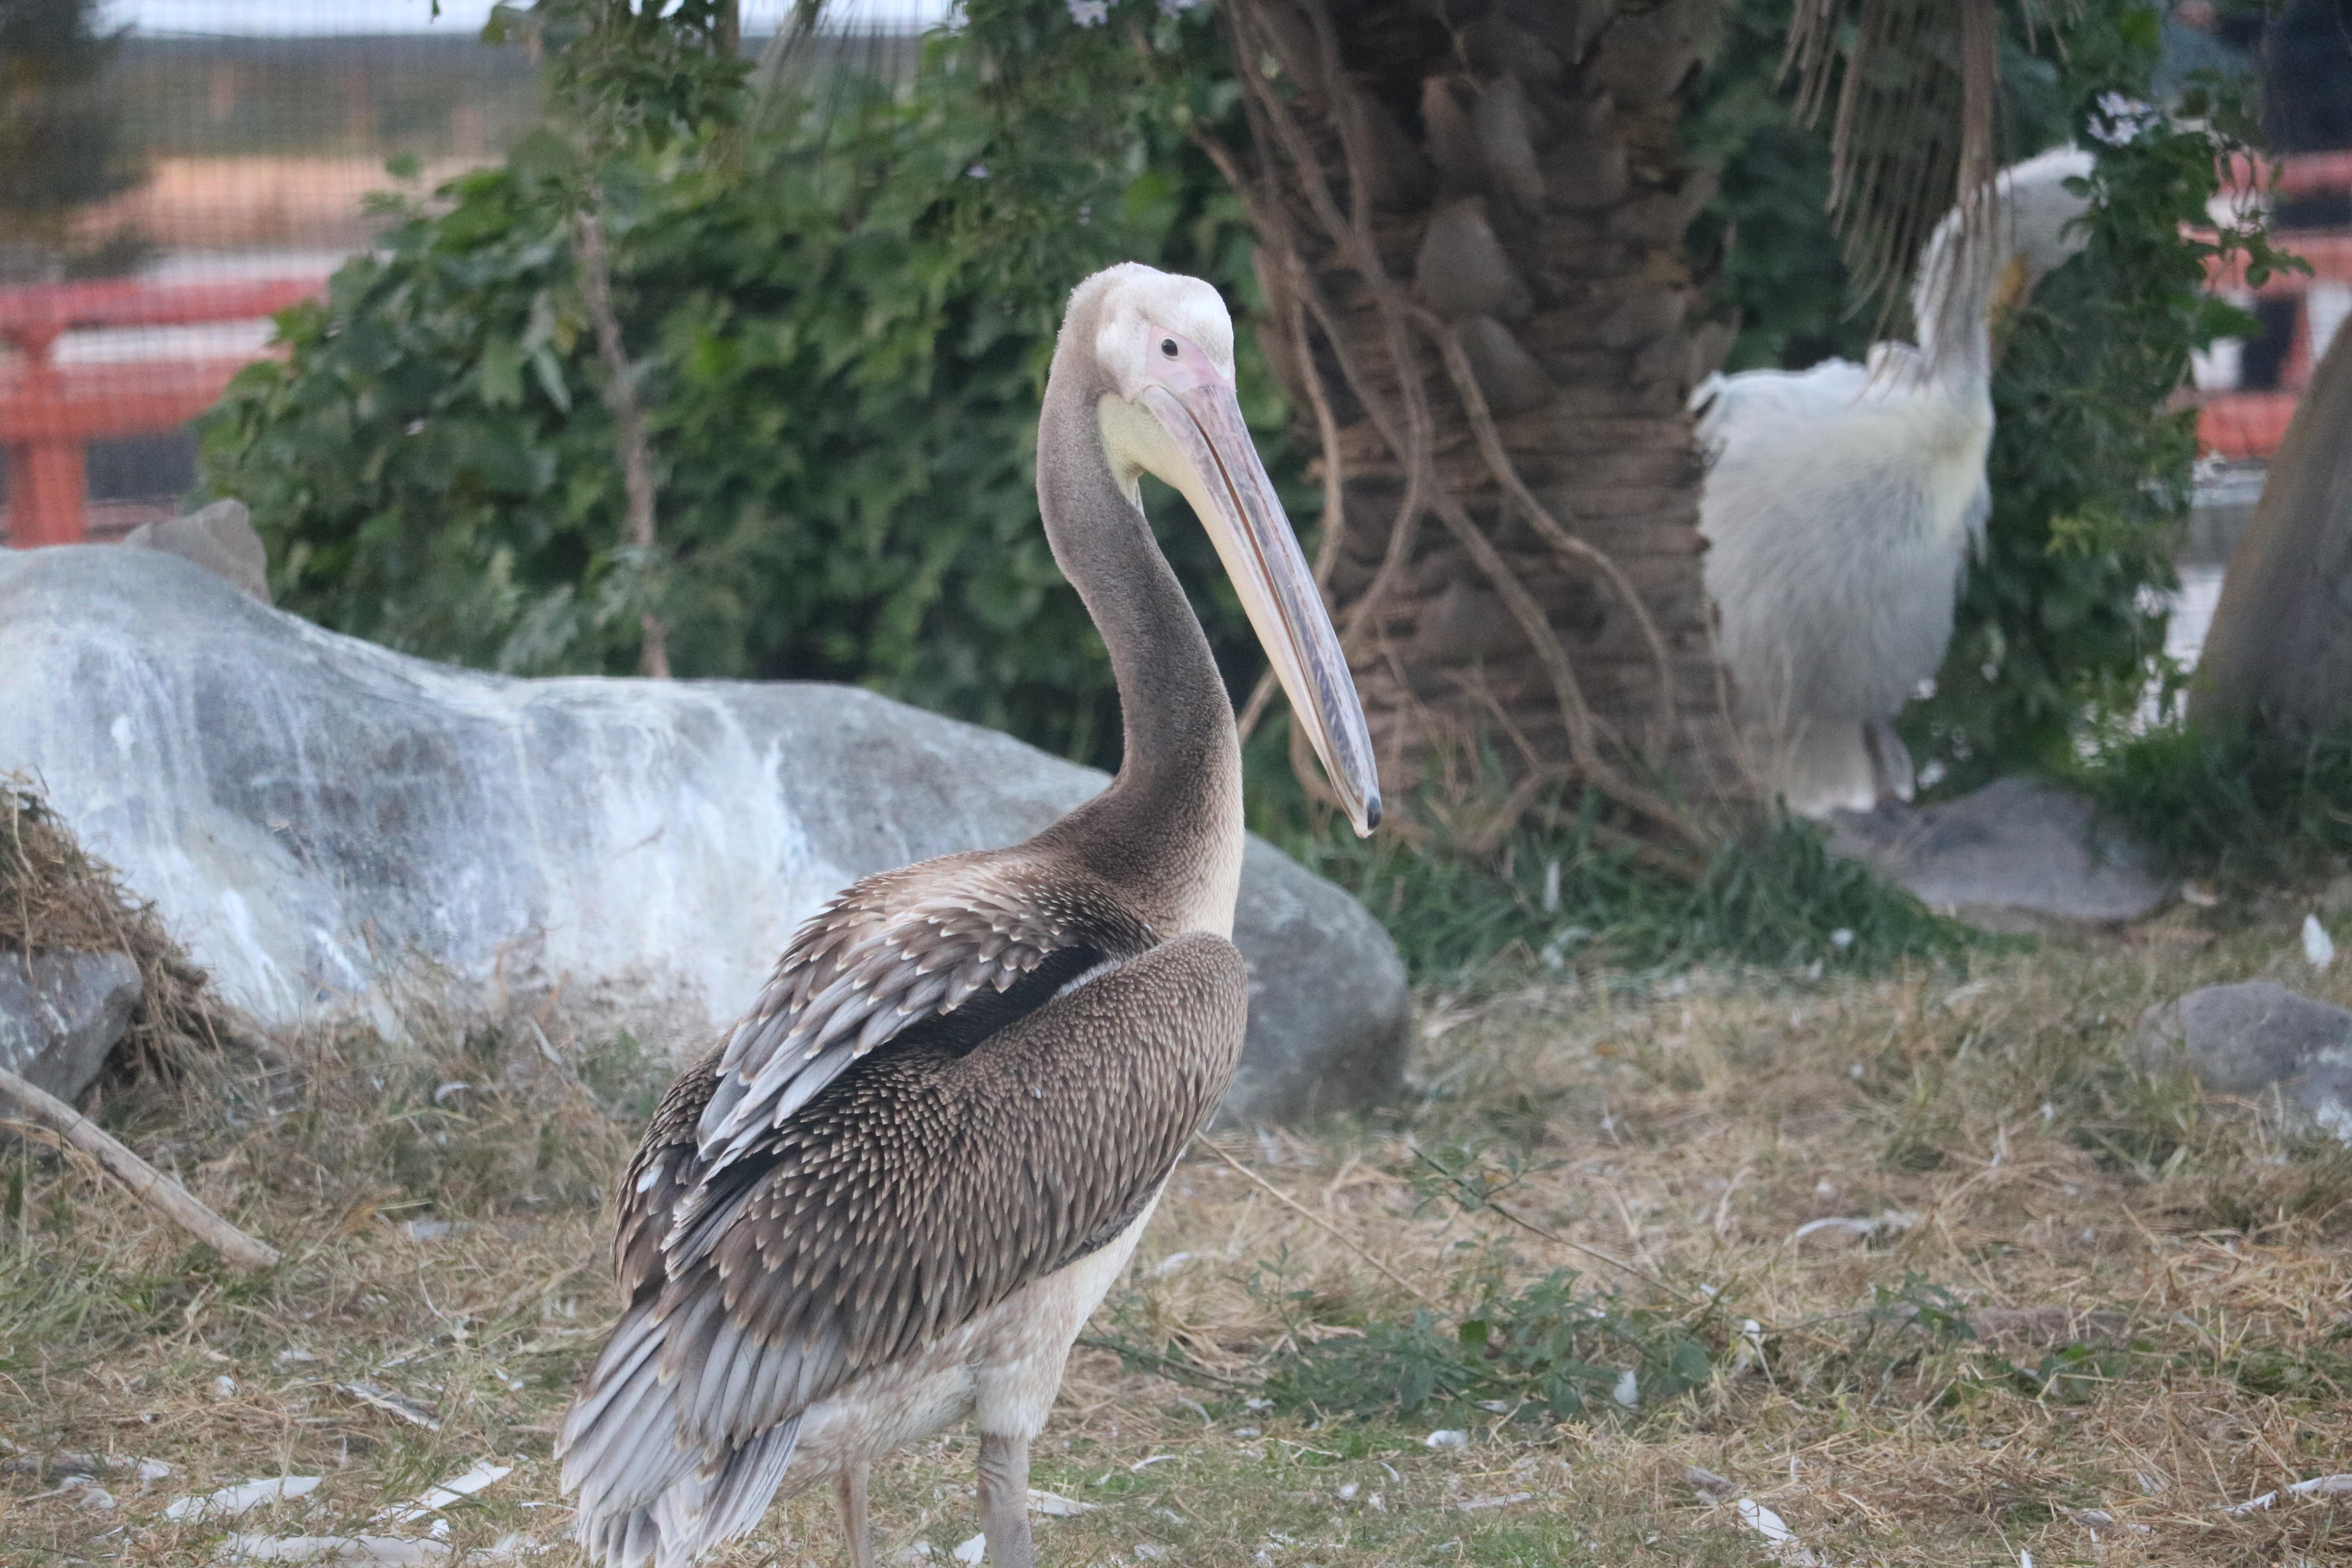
point(1162, 347)
point(2034, 231)
point(2040, 214)
point(1981, 262)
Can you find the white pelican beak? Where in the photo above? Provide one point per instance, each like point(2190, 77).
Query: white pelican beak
point(1221, 474)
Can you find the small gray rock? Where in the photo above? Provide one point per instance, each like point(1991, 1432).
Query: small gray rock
point(219, 538)
point(330, 829)
point(2247, 1038)
point(2016, 856)
point(60, 1013)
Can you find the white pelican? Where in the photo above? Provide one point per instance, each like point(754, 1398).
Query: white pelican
point(894, 1195)
point(1842, 503)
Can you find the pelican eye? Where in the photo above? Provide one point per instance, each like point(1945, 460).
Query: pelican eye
point(1168, 347)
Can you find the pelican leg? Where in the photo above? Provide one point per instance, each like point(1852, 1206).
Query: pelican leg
point(1890, 761)
point(1004, 1501)
point(849, 1490)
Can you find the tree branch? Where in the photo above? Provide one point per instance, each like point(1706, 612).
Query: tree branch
point(628, 419)
point(148, 1184)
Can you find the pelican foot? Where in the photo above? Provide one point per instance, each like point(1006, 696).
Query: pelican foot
point(1004, 1501)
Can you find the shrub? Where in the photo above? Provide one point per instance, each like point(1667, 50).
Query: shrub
point(841, 308)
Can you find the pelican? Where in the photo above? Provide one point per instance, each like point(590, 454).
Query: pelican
point(1842, 504)
point(894, 1195)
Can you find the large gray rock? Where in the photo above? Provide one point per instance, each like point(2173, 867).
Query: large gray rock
point(2250, 1038)
point(2015, 856)
point(329, 826)
point(60, 1013)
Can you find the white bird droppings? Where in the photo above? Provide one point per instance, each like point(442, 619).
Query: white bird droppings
point(2318, 1485)
point(1776, 1534)
point(244, 1497)
point(435, 1498)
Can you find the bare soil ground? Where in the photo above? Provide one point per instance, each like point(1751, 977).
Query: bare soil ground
point(2081, 1313)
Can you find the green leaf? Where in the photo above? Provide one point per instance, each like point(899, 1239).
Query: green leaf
point(501, 372)
point(548, 370)
point(542, 155)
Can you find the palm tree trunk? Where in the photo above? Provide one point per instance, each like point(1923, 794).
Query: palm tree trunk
point(1472, 254)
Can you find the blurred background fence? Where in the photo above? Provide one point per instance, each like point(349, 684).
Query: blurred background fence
point(172, 171)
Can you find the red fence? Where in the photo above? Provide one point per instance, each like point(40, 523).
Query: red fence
point(49, 411)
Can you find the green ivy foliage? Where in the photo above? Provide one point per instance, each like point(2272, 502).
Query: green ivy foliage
point(634, 72)
point(2059, 629)
point(841, 301)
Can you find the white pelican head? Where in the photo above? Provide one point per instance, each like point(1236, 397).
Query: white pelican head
point(2030, 229)
point(1164, 346)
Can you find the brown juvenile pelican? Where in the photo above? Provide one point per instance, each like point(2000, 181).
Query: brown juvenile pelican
point(899, 1190)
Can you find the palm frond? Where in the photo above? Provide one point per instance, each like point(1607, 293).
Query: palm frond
point(1917, 82)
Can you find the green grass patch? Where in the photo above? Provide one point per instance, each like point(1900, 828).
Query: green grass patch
point(1548, 1349)
point(1562, 891)
point(2246, 811)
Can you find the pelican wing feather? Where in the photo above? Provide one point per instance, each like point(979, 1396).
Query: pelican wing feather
point(893, 949)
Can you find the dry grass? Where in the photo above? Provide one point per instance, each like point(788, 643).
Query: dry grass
point(2194, 1250)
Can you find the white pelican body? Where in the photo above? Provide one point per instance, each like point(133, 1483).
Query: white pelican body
point(1842, 503)
point(894, 1195)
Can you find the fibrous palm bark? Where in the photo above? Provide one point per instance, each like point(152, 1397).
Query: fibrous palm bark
point(1473, 215)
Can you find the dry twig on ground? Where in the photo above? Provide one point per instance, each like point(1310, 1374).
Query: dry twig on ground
point(143, 1181)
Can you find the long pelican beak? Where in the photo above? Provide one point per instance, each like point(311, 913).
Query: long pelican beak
point(1228, 487)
